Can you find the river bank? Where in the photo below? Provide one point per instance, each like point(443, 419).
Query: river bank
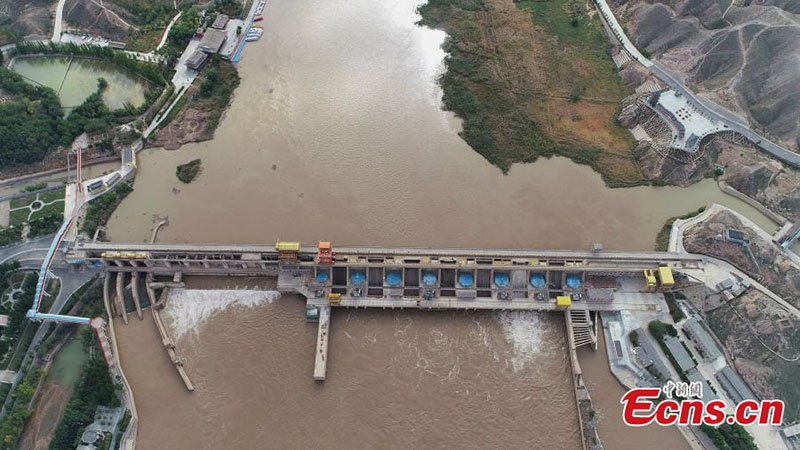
point(196, 117)
point(374, 153)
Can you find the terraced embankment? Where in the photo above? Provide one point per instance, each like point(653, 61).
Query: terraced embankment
point(742, 55)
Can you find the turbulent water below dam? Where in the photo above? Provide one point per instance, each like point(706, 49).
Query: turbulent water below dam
point(336, 133)
point(395, 379)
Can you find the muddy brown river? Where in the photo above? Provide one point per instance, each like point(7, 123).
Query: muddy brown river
point(395, 380)
point(336, 133)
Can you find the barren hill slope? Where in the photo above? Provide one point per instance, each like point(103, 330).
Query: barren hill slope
point(117, 19)
point(745, 55)
point(25, 18)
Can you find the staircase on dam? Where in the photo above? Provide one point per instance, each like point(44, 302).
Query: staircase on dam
point(582, 328)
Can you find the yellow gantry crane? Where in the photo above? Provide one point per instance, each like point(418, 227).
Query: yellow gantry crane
point(287, 251)
point(662, 278)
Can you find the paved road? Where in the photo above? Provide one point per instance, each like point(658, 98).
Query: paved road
point(26, 249)
point(619, 32)
point(729, 119)
point(58, 21)
point(166, 32)
point(184, 77)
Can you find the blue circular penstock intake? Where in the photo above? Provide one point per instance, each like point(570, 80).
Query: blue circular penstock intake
point(465, 279)
point(537, 280)
point(501, 279)
point(322, 276)
point(573, 281)
point(357, 277)
point(394, 278)
point(429, 278)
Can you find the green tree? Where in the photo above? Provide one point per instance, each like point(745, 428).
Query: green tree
point(672, 331)
point(207, 86)
point(634, 337)
point(657, 329)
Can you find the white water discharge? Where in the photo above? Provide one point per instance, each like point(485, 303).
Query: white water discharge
point(188, 309)
point(524, 330)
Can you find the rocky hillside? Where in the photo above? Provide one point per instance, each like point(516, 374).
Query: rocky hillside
point(751, 172)
point(118, 19)
point(761, 337)
point(744, 55)
point(25, 18)
point(761, 259)
point(762, 340)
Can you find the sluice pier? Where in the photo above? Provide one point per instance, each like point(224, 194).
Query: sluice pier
point(575, 283)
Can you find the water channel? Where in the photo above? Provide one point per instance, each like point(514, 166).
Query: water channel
point(336, 133)
point(55, 394)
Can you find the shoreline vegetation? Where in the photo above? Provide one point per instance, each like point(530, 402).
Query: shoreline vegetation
point(533, 79)
point(94, 387)
point(102, 208)
point(196, 117)
point(662, 238)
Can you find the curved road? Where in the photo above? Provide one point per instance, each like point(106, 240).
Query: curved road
point(166, 32)
point(58, 21)
point(730, 120)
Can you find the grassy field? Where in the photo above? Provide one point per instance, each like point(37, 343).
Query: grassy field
point(533, 79)
point(580, 61)
point(145, 40)
point(53, 205)
point(18, 217)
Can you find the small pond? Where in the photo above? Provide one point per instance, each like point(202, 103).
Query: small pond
point(74, 79)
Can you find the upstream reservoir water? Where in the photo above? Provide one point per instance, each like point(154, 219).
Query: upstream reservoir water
point(74, 79)
point(336, 133)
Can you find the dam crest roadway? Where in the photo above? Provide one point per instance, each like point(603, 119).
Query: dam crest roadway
point(574, 283)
